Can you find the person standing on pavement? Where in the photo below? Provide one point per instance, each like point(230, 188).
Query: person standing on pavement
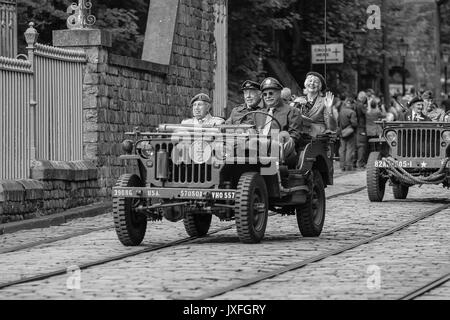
point(361, 135)
point(253, 102)
point(288, 117)
point(347, 132)
point(373, 130)
point(201, 107)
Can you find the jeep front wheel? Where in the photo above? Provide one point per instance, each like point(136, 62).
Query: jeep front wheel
point(251, 207)
point(400, 191)
point(130, 225)
point(376, 183)
point(311, 215)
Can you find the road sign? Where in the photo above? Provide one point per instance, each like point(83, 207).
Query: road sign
point(329, 53)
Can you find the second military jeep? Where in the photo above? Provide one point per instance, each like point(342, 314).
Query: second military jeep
point(190, 173)
point(408, 153)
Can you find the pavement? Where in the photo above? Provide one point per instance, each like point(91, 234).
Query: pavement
point(56, 219)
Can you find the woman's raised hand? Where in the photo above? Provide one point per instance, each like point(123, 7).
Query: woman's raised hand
point(329, 97)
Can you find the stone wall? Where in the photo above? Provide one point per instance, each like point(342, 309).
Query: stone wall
point(54, 186)
point(121, 93)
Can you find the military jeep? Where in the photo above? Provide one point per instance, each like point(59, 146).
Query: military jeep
point(408, 153)
point(234, 172)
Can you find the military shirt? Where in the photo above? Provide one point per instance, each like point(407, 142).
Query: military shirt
point(238, 112)
point(208, 120)
point(290, 120)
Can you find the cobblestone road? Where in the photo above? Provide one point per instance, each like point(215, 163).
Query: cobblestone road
point(405, 260)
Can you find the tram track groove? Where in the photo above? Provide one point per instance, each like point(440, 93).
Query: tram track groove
point(300, 264)
point(83, 266)
point(435, 283)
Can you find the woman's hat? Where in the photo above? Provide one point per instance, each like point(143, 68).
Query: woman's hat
point(321, 78)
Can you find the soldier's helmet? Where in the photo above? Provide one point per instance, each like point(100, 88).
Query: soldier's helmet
point(271, 83)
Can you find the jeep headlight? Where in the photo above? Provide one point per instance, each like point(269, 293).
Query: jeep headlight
point(391, 136)
point(446, 136)
point(146, 149)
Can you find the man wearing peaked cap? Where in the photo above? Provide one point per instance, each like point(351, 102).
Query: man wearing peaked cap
point(271, 83)
point(249, 85)
point(201, 107)
point(253, 101)
point(288, 117)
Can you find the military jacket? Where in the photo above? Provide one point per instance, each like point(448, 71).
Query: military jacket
point(290, 120)
point(238, 112)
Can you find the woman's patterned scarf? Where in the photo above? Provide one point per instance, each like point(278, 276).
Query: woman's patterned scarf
point(308, 107)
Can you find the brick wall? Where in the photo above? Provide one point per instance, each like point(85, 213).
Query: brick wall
point(121, 93)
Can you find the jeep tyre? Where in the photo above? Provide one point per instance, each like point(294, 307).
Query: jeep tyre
point(311, 215)
point(251, 207)
point(376, 183)
point(400, 191)
point(197, 225)
point(130, 225)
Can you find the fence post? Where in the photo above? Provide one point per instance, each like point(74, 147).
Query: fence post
point(31, 36)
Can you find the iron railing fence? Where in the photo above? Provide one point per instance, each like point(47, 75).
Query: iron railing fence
point(59, 111)
point(8, 28)
point(16, 79)
point(53, 77)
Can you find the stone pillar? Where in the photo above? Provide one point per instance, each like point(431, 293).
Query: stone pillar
point(95, 43)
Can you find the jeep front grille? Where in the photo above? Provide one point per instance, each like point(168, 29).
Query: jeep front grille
point(191, 173)
point(419, 143)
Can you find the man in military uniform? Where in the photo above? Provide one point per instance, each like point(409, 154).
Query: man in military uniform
point(253, 101)
point(289, 117)
point(415, 112)
point(201, 106)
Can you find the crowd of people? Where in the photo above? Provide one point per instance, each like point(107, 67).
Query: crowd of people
point(353, 118)
point(360, 113)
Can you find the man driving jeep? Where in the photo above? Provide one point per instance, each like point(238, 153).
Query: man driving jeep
point(288, 117)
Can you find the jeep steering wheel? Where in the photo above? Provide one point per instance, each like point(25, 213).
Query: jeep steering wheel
point(261, 112)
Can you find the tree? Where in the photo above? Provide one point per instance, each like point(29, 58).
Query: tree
point(126, 21)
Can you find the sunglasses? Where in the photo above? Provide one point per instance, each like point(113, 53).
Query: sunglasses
point(268, 93)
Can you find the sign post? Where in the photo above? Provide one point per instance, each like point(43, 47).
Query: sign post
point(327, 53)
